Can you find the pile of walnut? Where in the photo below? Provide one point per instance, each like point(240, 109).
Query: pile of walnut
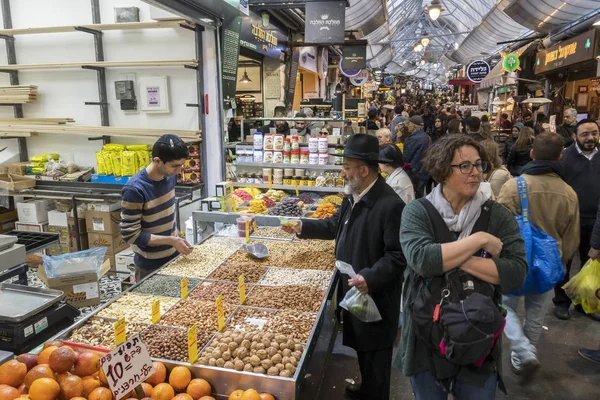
point(258, 352)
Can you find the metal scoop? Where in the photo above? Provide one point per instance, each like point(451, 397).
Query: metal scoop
point(257, 250)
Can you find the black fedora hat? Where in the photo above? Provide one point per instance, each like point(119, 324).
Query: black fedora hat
point(362, 147)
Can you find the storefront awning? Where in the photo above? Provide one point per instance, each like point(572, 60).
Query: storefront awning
point(461, 82)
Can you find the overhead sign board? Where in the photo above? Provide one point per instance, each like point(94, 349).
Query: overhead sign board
point(354, 57)
point(308, 58)
point(231, 51)
point(325, 22)
point(261, 38)
point(568, 52)
point(478, 70)
point(361, 78)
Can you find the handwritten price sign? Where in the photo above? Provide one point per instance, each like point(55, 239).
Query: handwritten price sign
point(127, 366)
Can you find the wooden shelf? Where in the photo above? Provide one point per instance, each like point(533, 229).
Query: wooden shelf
point(317, 189)
point(105, 64)
point(97, 27)
point(294, 166)
point(20, 130)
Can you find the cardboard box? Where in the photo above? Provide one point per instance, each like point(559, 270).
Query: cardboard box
point(18, 168)
point(190, 178)
point(57, 218)
point(34, 211)
point(224, 189)
point(191, 165)
point(8, 216)
point(68, 238)
point(15, 182)
point(113, 243)
point(103, 222)
point(82, 290)
point(104, 207)
point(20, 226)
point(124, 261)
point(7, 226)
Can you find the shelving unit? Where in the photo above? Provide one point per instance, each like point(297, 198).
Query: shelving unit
point(97, 27)
point(317, 189)
point(304, 166)
point(100, 64)
point(24, 130)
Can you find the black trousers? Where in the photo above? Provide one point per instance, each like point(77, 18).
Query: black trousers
point(375, 371)
point(585, 234)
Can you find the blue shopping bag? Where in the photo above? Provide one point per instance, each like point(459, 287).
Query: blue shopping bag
point(543, 257)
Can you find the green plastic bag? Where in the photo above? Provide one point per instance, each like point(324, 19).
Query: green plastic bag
point(584, 288)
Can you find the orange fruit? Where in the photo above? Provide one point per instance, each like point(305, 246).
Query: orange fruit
point(102, 377)
point(44, 389)
point(31, 360)
point(162, 391)
point(198, 388)
point(87, 363)
point(206, 398)
point(251, 394)
point(23, 389)
point(56, 343)
point(8, 392)
point(160, 375)
point(37, 372)
point(12, 373)
point(266, 396)
point(90, 383)
point(236, 395)
point(62, 359)
point(71, 386)
point(44, 356)
point(180, 378)
point(100, 393)
point(78, 398)
point(183, 396)
point(147, 389)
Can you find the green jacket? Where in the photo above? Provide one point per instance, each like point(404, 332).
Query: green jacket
point(424, 257)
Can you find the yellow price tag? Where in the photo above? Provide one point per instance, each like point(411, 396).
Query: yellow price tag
point(297, 191)
point(192, 344)
point(220, 313)
point(270, 182)
point(156, 312)
point(247, 231)
point(234, 204)
point(120, 331)
point(242, 286)
point(254, 225)
point(184, 288)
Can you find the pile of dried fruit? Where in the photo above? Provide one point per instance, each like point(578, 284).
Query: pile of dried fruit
point(232, 271)
point(269, 202)
point(337, 200)
point(257, 206)
point(287, 208)
point(99, 332)
point(242, 194)
point(210, 290)
point(189, 312)
point(257, 352)
point(306, 199)
point(274, 233)
point(136, 307)
point(291, 297)
point(171, 343)
point(298, 325)
point(164, 285)
point(203, 259)
point(276, 195)
point(325, 210)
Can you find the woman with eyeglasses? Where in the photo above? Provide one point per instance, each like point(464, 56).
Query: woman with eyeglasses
point(494, 255)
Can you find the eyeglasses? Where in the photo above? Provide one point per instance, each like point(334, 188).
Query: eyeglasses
point(467, 167)
point(325, 132)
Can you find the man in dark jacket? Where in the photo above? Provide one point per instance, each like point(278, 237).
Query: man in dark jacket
point(366, 231)
point(414, 151)
point(567, 129)
point(281, 126)
point(473, 128)
point(581, 163)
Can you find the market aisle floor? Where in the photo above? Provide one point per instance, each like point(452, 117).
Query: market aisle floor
point(564, 374)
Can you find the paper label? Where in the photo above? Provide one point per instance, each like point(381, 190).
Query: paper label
point(193, 344)
point(242, 286)
point(98, 224)
point(90, 290)
point(220, 313)
point(127, 366)
point(156, 312)
point(297, 191)
point(270, 182)
point(120, 331)
point(40, 325)
point(28, 331)
point(184, 288)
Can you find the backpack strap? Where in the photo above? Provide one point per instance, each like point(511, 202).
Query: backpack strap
point(441, 231)
point(484, 218)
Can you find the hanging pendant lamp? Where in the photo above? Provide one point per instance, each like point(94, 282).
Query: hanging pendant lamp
point(245, 78)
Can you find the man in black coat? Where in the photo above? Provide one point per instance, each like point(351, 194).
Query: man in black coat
point(281, 126)
point(366, 230)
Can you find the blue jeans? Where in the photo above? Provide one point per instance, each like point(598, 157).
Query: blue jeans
point(427, 388)
point(523, 338)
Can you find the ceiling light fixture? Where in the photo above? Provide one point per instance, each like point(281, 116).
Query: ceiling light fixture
point(245, 78)
point(422, 62)
point(434, 10)
point(456, 46)
point(425, 39)
point(418, 47)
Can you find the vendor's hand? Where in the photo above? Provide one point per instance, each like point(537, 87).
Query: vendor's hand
point(359, 282)
point(182, 245)
point(295, 228)
point(491, 244)
point(593, 254)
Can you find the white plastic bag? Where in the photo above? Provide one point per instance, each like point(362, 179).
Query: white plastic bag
point(362, 306)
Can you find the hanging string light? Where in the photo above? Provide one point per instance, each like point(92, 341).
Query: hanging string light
point(434, 10)
point(418, 47)
point(425, 39)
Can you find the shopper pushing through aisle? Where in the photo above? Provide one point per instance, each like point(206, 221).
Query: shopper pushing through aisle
point(148, 208)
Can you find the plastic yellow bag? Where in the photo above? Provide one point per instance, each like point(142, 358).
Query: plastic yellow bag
point(116, 160)
point(143, 158)
point(129, 163)
point(137, 147)
point(113, 147)
point(108, 162)
point(101, 164)
point(584, 288)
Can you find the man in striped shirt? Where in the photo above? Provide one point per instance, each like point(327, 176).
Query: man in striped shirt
point(148, 208)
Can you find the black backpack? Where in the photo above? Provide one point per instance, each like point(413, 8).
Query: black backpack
point(457, 315)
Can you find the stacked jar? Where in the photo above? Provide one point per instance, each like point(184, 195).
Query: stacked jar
point(258, 147)
point(268, 147)
point(278, 176)
point(313, 148)
point(323, 147)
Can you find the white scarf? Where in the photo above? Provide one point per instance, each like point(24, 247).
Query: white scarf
point(466, 219)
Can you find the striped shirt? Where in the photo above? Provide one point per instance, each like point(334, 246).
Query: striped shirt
point(148, 208)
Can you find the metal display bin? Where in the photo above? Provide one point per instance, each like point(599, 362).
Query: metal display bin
point(305, 382)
